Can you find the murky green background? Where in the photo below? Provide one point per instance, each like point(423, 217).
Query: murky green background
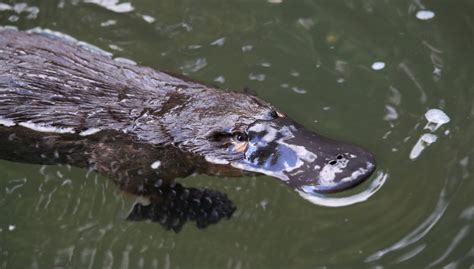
point(313, 60)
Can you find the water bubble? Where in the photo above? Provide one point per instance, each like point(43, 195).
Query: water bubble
point(155, 165)
point(219, 42)
point(436, 118)
point(115, 47)
point(13, 18)
point(247, 48)
point(5, 7)
point(148, 19)
point(423, 142)
point(425, 15)
point(257, 77)
point(194, 65)
point(468, 213)
point(194, 47)
point(295, 73)
point(108, 23)
point(378, 65)
point(391, 113)
point(20, 8)
point(113, 5)
point(298, 90)
point(220, 79)
point(307, 23)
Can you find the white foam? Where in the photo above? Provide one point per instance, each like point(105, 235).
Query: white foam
point(90, 131)
point(256, 76)
point(298, 90)
point(468, 213)
point(219, 42)
point(425, 15)
point(113, 5)
point(220, 79)
point(307, 23)
point(155, 165)
point(423, 142)
point(4, 7)
point(378, 66)
point(46, 128)
point(148, 18)
point(436, 118)
point(247, 48)
point(108, 23)
point(391, 113)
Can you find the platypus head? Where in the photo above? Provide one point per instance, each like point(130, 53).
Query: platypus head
point(234, 132)
point(305, 160)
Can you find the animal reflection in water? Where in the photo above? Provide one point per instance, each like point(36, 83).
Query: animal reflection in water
point(65, 102)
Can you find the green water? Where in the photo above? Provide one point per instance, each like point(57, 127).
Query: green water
point(314, 61)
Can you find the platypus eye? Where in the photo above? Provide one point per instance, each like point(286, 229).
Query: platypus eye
point(239, 136)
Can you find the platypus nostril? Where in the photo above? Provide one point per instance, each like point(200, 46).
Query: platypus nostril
point(339, 156)
point(332, 162)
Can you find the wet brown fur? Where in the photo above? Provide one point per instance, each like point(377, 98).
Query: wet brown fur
point(144, 115)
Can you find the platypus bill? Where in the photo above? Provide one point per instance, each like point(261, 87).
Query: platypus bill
point(63, 102)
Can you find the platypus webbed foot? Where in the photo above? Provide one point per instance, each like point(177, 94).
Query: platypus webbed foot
point(174, 205)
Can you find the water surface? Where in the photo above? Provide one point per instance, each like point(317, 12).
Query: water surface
point(360, 71)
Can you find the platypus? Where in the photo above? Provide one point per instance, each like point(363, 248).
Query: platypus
point(62, 102)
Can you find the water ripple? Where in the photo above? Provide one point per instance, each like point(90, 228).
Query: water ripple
point(417, 234)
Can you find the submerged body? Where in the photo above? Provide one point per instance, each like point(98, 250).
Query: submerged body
point(61, 102)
